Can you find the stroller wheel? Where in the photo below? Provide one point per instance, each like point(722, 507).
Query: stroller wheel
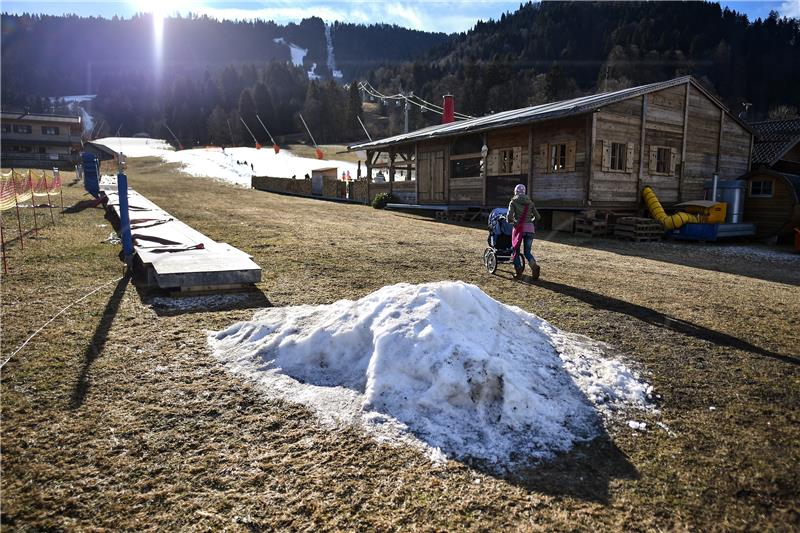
point(490, 261)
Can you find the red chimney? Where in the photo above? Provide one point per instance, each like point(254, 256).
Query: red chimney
point(449, 109)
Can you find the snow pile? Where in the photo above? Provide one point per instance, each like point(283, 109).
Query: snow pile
point(440, 365)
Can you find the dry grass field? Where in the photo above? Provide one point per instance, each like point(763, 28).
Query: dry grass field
point(116, 416)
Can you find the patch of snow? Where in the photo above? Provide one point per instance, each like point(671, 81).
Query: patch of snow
point(297, 53)
point(330, 60)
point(312, 74)
point(439, 366)
point(232, 164)
point(639, 426)
point(88, 120)
point(77, 98)
point(137, 147)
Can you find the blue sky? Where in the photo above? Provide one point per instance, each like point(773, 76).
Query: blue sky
point(430, 15)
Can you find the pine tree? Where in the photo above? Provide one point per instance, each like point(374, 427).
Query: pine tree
point(352, 128)
point(264, 109)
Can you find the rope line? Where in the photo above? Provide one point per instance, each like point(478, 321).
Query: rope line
point(61, 312)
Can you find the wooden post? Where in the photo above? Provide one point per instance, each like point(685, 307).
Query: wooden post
point(641, 150)
point(47, 190)
point(530, 161)
point(484, 174)
point(416, 173)
point(683, 142)
point(719, 140)
point(16, 206)
point(33, 205)
point(592, 140)
point(358, 171)
point(369, 174)
point(3, 242)
point(392, 155)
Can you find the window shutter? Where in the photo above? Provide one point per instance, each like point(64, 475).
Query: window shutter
point(570, 156)
point(516, 163)
point(541, 161)
point(653, 159)
point(629, 158)
point(673, 159)
point(606, 163)
point(524, 160)
point(493, 166)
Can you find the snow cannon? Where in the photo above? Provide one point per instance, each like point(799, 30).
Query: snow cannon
point(258, 146)
point(320, 155)
point(276, 148)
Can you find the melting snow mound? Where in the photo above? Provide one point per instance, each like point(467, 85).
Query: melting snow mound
point(440, 365)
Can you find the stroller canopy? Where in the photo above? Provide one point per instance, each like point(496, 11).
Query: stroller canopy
point(497, 222)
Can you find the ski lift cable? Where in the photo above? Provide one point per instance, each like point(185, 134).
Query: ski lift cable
point(424, 104)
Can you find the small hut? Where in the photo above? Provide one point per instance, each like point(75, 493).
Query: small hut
point(772, 202)
point(772, 198)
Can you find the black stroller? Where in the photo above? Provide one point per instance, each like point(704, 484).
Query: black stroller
point(499, 240)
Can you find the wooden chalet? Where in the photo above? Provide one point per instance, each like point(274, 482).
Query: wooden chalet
point(594, 151)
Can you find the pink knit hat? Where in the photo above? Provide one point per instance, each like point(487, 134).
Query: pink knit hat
point(519, 189)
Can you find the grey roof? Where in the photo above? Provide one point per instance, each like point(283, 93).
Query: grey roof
point(39, 117)
point(773, 139)
point(575, 106)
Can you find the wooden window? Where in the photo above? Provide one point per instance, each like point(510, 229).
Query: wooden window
point(507, 161)
point(49, 130)
point(761, 188)
point(466, 168)
point(558, 157)
point(663, 160)
point(22, 128)
point(619, 153)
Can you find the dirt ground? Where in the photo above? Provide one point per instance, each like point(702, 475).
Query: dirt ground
point(117, 416)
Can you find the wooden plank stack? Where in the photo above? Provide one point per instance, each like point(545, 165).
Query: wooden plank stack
point(590, 227)
point(638, 229)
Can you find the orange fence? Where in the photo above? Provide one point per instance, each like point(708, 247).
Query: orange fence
point(17, 187)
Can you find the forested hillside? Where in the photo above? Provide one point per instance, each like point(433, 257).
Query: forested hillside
point(209, 73)
point(553, 50)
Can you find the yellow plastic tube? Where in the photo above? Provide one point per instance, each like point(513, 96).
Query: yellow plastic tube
point(657, 211)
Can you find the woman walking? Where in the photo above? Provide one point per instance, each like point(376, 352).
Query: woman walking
point(522, 214)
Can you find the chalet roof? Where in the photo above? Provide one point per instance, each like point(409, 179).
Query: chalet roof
point(39, 117)
point(513, 117)
point(773, 139)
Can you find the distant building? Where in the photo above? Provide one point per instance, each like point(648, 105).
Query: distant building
point(37, 140)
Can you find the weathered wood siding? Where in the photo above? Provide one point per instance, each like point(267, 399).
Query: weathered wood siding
point(432, 172)
point(771, 215)
point(621, 123)
point(702, 139)
point(735, 150)
point(664, 129)
point(565, 188)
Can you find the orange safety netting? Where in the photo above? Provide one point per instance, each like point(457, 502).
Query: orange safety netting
point(22, 185)
point(7, 193)
point(39, 184)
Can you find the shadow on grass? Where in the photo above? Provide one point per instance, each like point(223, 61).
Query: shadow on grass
point(82, 205)
point(98, 342)
point(165, 304)
point(655, 318)
point(585, 472)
